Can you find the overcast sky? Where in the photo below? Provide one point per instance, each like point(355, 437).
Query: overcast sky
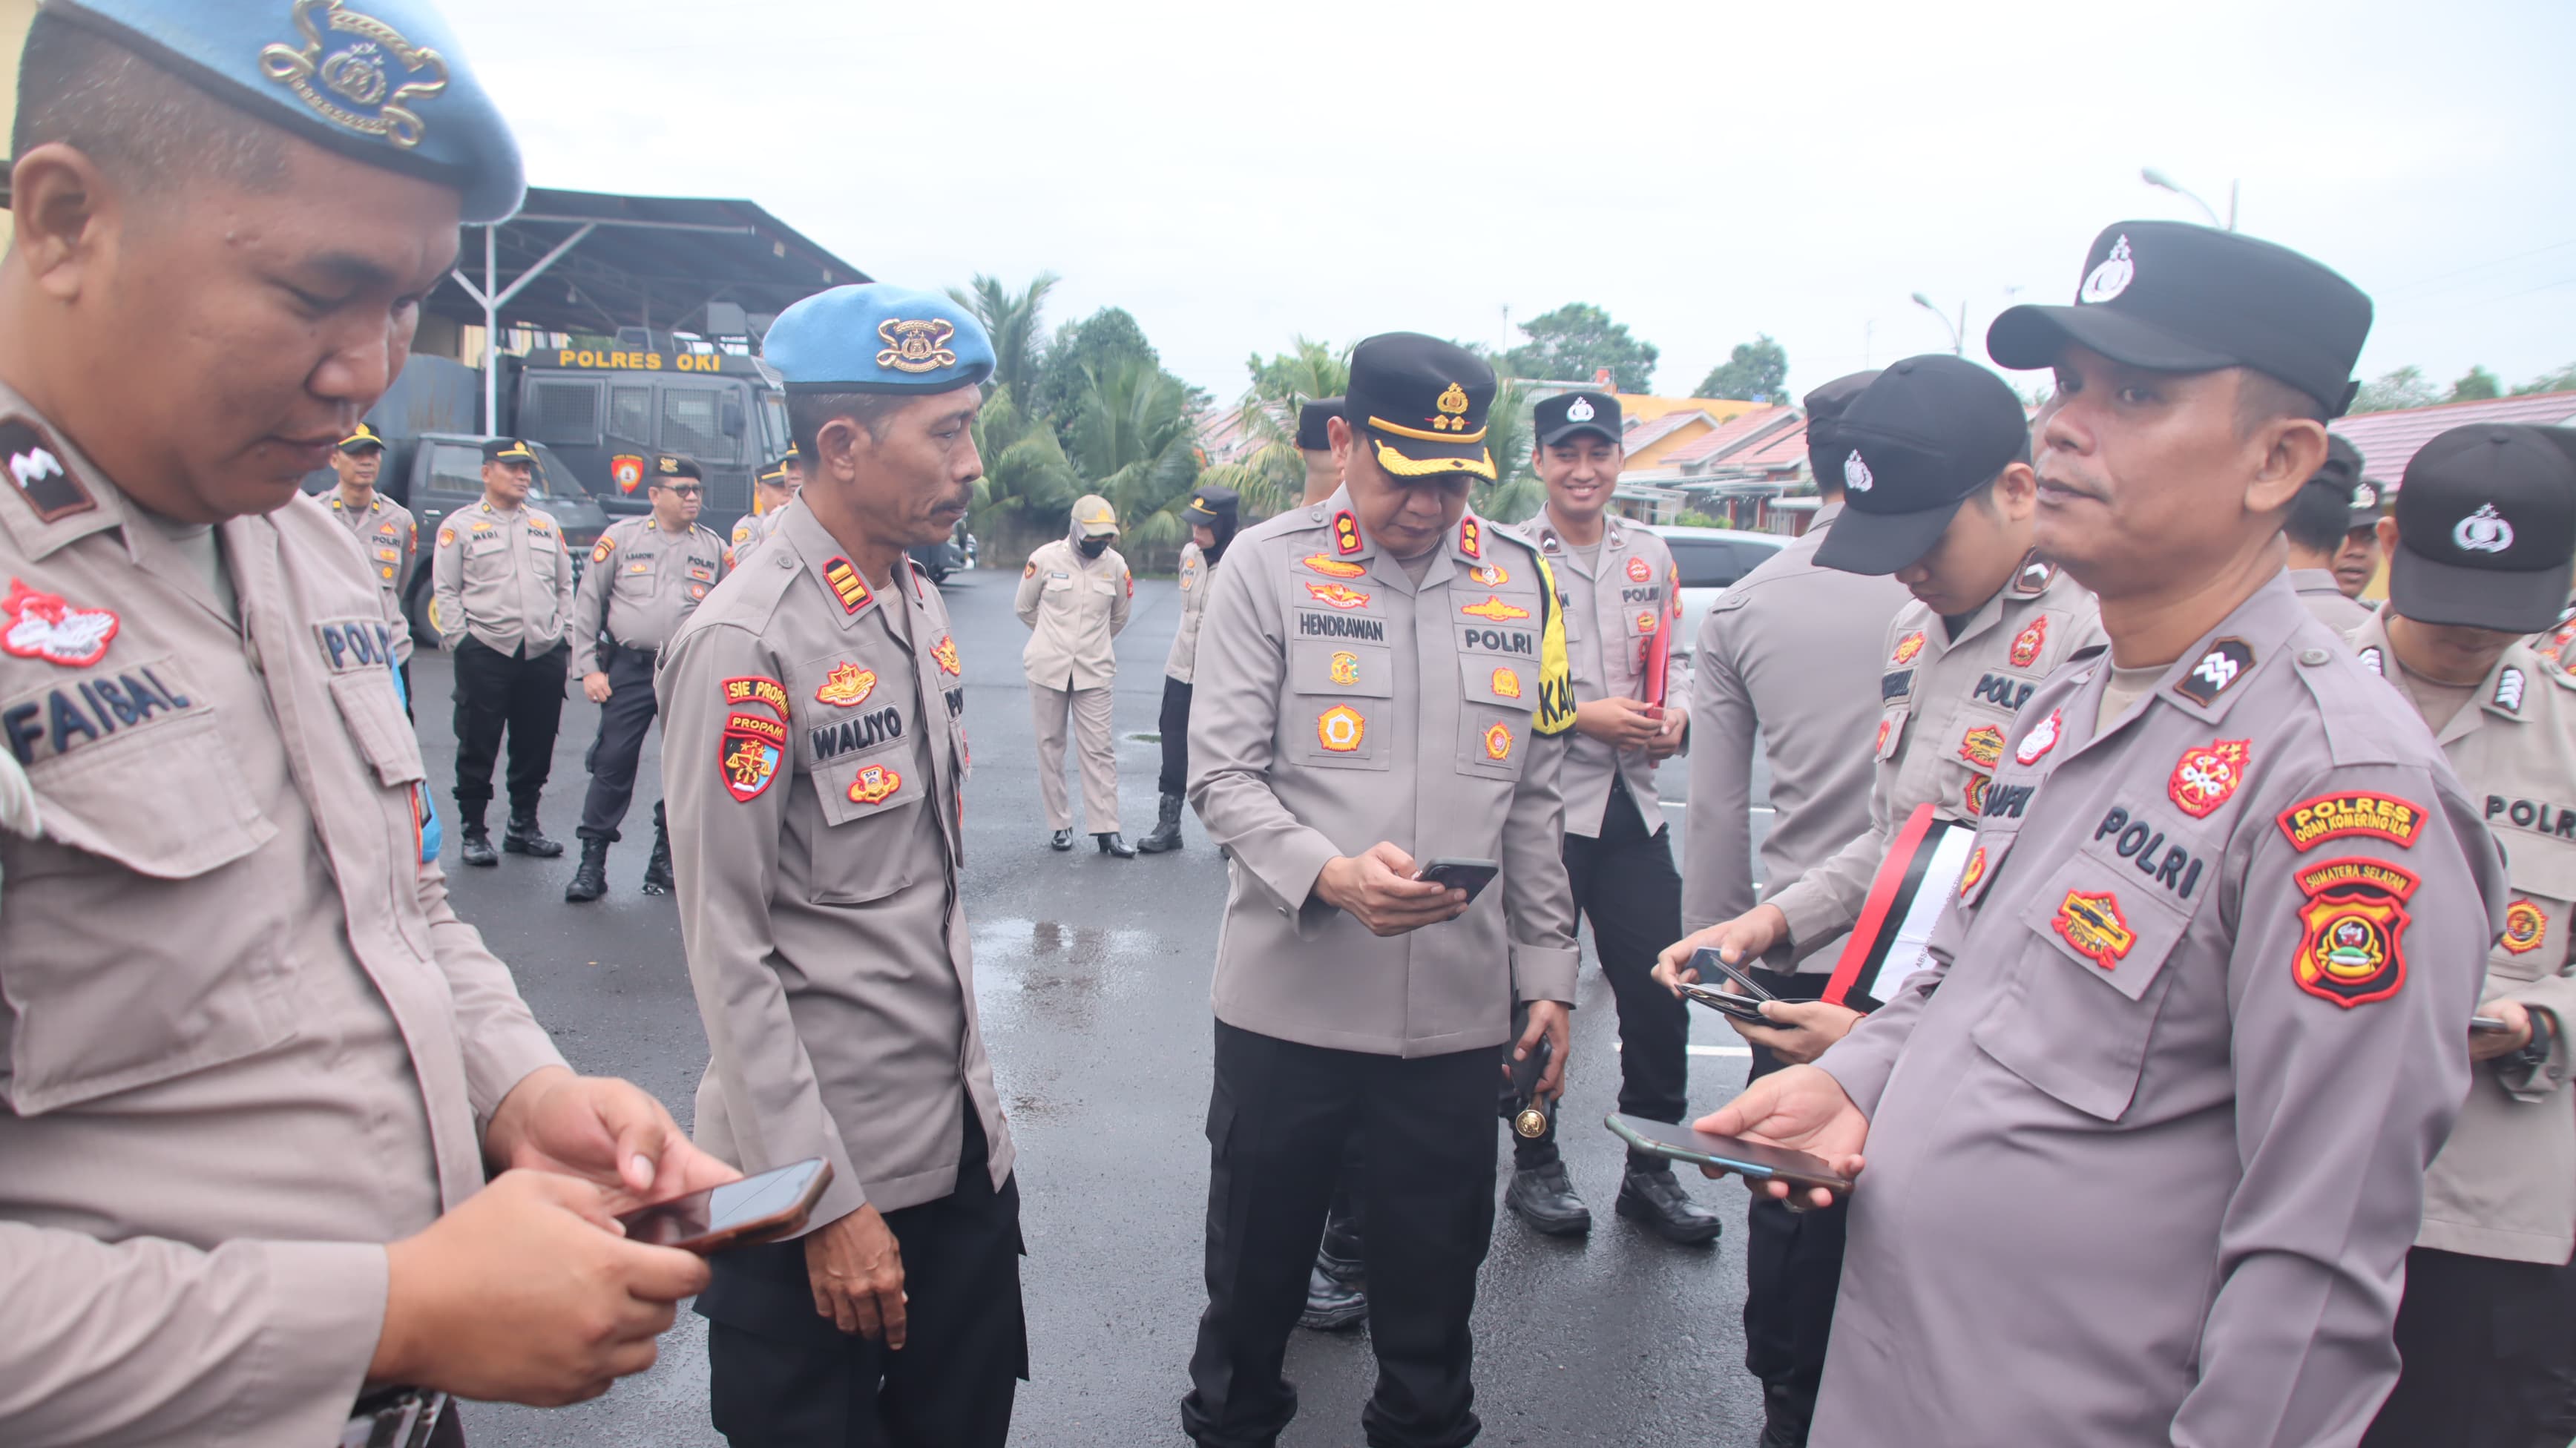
point(1235, 175)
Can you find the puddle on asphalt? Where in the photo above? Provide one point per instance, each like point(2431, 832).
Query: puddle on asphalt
point(1060, 971)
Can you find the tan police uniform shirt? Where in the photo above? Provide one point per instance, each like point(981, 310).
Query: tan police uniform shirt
point(813, 768)
point(2317, 589)
point(1074, 606)
point(753, 529)
point(2158, 1119)
point(1945, 706)
point(1790, 654)
point(503, 575)
point(1197, 577)
point(2505, 1183)
point(1617, 604)
point(1343, 704)
point(641, 583)
point(243, 1038)
point(391, 540)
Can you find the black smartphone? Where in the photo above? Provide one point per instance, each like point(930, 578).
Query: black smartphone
point(1742, 1008)
point(760, 1208)
point(1469, 875)
point(2488, 1026)
point(1748, 1159)
point(1713, 967)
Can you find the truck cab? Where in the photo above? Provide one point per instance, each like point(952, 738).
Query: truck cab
point(606, 409)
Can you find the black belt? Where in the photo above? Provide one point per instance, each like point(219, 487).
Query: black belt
point(394, 1418)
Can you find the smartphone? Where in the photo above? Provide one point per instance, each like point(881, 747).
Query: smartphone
point(1742, 1008)
point(1748, 1159)
point(2488, 1026)
point(756, 1209)
point(1469, 875)
point(1713, 966)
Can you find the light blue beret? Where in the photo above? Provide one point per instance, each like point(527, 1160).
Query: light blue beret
point(379, 81)
point(876, 337)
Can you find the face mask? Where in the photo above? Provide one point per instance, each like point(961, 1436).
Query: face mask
point(1094, 547)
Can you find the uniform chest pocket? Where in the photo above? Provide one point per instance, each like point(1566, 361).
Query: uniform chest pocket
point(1059, 583)
point(375, 719)
point(480, 546)
point(1496, 697)
point(870, 806)
point(1339, 713)
point(1891, 732)
point(2534, 943)
point(2090, 981)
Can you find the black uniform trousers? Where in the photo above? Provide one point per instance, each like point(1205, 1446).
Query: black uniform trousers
point(1176, 736)
point(1625, 884)
point(1278, 1119)
point(623, 721)
point(520, 693)
point(782, 1376)
point(1793, 1267)
point(2484, 1342)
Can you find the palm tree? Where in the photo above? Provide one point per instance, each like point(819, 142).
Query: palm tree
point(1028, 485)
point(1135, 443)
point(1013, 323)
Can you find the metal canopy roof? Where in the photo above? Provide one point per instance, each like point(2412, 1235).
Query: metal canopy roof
point(587, 261)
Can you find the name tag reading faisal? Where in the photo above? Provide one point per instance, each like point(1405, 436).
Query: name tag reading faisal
point(1915, 883)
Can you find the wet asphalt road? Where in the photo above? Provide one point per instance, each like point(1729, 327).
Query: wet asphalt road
point(1093, 977)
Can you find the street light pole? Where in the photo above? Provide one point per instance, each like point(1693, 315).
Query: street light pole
point(1958, 332)
point(2163, 182)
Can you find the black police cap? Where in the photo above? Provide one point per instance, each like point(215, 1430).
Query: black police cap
point(1312, 434)
point(671, 465)
point(1824, 407)
point(1917, 443)
point(1572, 414)
point(1212, 503)
point(507, 450)
point(1421, 402)
point(2172, 297)
point(2486, 529)
point(2340, 473)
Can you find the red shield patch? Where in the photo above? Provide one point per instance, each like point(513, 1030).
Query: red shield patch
point(2026, 644)
point(2353, 951)
point(627, 470)
point(748, 753)
point(2204, 777)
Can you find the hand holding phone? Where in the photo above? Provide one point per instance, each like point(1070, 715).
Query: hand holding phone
point(1734, 1007)
point(1749, 1159)
point(1456, 873)
point(756, 1209)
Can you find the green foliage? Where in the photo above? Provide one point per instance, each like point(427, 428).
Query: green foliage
point(1757, 371)
point(1272, 476)
point(1135, 443)
point(1082, 350)
point(2478, 386)
point(2396, 390)
point(1516, 492)
point(1694, 518)
point(1576, 340)
point(1029, 484)
point(2562, 380)
point(1013, 322)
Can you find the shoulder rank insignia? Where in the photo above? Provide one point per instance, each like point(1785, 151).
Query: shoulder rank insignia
point(2033, 580)
point(38, 471)
point(1330, 567)
point(2217, 671)
point(2027, 644)
point(847, 585)
point(1471, 534)
point(847, 686)
point(2508, 691)
point(1346, 533)
point(43, 626)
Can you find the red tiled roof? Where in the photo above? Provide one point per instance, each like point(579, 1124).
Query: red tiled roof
point(1783, 449)
point(1645, 434)
point(1733, 435)
point(2389, 440)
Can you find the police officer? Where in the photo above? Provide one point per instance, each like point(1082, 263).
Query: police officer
point(1790, 654)
point(2479, 550)
point(814, 767)
point(1211, 516)
point(1939, 493)
point(2334, 507)
point(646, 575)
point(1074, 596)
point(1621, 596)
point(501, 595)
point(2163, 1130)
point(383, 528)
point(1392, 690)
point(259, 1072)
point(772, 489)
point(1315, 447)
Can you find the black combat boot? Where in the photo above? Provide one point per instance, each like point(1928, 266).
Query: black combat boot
point(1167, 828)
point(1331, 1303)
point(1114, 843)
point(473, 845)
point(522, 837)
point(1543, 1196)
point(590, 877)
point(1651, 1194)
point(657, 873)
